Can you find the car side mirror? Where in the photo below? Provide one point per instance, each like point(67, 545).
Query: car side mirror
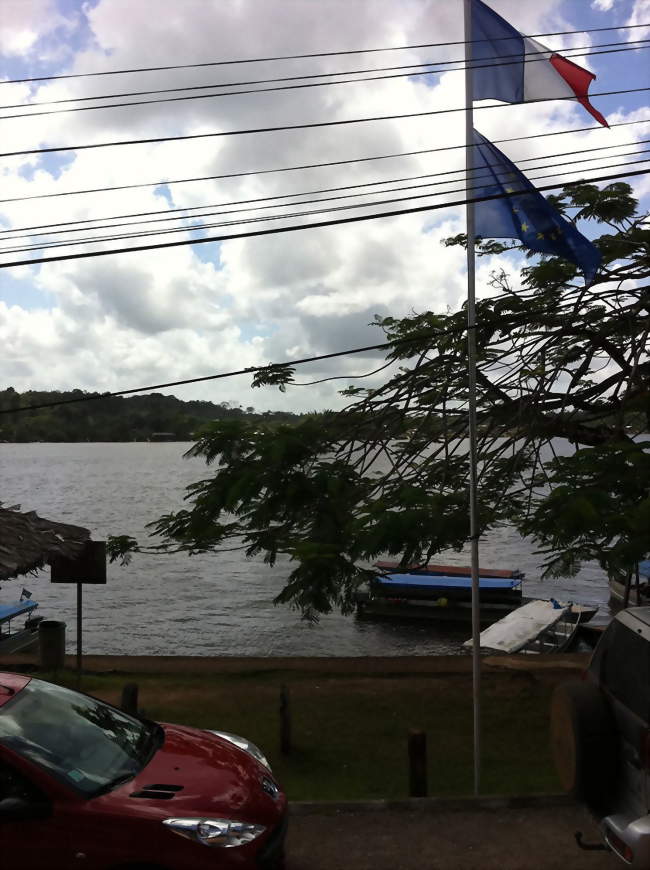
point(18, 809)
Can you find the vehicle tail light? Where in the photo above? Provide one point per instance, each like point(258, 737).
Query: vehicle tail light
point(621, 848)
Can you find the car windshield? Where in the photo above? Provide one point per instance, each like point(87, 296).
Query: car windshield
point(82, 741)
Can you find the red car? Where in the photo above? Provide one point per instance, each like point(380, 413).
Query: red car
point(84, 785)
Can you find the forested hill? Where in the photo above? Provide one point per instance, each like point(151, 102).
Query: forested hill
point(132, 418)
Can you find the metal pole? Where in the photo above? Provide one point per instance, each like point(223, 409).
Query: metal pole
point(79, 622)
point(471, 365)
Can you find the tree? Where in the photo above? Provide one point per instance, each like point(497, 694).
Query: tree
point(563, 394)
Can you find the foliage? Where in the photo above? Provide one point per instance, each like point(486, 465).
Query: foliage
point(563, 377)
point(105, 418)
point(274, 376)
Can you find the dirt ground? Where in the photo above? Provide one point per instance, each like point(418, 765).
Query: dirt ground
point(539, 838)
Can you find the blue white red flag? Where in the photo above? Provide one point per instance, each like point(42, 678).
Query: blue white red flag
point(528, 217)
point(518, 69)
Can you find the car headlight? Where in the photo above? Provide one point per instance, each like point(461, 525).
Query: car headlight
point(215, 832)
point(244, 744)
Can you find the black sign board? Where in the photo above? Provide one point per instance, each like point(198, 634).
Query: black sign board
point(88, 567)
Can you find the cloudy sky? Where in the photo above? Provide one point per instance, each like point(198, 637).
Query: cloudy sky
point(133, 319)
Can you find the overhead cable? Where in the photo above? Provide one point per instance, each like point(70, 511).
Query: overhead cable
point(81, 225)
point(316, 225)
point(309, 126)
point(141, 234)
point(306, 166)
point(276, 88)
point(311, 55)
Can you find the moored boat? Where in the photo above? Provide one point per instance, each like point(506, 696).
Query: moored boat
point(638, 593)
point(442, 597)
point(448, 570)
point(538, 626)
point(22, 639)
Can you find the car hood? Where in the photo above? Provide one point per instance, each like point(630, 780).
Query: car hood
point(196, 773)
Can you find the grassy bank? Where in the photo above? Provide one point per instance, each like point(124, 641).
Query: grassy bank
point(349, 732)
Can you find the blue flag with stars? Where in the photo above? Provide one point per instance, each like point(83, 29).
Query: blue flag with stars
point(529, 217)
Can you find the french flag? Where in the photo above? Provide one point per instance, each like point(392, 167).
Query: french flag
point(517, 69)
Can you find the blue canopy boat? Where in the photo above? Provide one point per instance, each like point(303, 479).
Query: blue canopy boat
point(23, 639)
point(438, 596)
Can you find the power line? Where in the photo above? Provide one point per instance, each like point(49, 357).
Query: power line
point(246, 371)
point(630, 46)
point(344, 377)
point(318, 225)
point(308, 56)
point(268, 90)
point(263, 219)
point(310, 126)
point(319, 191)
point(306, 166)
point(81, 223)
point(241, 221)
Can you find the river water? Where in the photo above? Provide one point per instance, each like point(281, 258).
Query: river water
point(209, 604)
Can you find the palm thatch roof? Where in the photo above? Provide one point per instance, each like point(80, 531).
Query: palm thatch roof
point(28, 542)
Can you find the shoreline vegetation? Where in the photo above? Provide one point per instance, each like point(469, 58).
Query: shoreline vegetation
point(149, 417)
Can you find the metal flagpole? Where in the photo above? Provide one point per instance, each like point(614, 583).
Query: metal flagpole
point(471, 365)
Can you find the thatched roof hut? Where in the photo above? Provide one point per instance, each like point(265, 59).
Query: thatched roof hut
point(28, 542)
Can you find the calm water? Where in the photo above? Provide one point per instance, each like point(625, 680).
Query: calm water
point(207, 605)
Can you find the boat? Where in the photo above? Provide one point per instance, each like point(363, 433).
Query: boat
point(444, 597)
point(23, 639)
point(538, 626)
point(638, 594)
point(448, 570)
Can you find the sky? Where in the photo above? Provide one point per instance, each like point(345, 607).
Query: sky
point(132, 319)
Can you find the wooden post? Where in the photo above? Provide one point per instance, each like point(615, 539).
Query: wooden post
point(129, 702)
point(285, 722)
point(417, 750)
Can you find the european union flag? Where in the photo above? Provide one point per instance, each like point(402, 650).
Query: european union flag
point(528, 217)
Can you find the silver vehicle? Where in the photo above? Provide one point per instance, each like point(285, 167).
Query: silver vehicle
point(600, 733)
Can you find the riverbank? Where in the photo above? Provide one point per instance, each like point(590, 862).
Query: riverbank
point(350, 718)
point(355, 665)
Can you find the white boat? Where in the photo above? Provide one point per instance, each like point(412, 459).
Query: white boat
point(536, 627)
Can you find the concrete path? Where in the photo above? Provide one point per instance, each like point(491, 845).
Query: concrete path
point(539, 838)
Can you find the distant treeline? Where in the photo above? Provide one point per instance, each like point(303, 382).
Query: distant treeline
point(132, 418)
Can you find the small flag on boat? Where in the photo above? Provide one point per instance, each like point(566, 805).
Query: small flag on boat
point(25, 594)
point(517, 69)
point(528, 217)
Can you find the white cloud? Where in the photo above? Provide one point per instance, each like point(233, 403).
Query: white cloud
point(149, 317)
point(640, 15)
point(25, 22)
point(603, 5)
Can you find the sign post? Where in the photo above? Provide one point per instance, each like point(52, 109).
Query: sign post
point(88, 567)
